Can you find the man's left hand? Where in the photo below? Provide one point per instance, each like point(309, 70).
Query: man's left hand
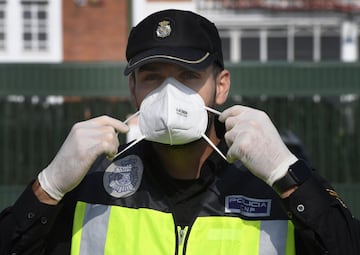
point(253, 139)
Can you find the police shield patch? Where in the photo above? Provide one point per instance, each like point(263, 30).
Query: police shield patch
point(123, 177)
point(250, 207)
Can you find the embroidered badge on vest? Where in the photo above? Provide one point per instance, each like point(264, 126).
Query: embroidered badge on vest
point(250, 207)
point(123, 177)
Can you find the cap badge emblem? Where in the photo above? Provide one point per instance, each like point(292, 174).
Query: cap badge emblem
point(164, 29)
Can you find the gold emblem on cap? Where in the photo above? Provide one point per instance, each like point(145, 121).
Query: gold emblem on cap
point(164, 29)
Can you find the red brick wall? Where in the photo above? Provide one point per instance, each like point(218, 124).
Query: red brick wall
point(95, 32)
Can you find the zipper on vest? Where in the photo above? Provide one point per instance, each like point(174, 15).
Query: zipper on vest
point(181, 232)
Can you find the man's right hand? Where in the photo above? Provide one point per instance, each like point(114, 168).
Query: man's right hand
point(86, 141)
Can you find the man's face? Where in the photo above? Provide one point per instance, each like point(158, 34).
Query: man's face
point(150, 76)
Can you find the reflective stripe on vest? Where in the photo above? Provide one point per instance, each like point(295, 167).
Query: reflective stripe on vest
point(102, 229)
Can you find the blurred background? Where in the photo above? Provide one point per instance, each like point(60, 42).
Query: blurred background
point(62, 62)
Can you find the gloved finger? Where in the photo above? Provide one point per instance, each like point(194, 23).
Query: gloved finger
point(230, 122)
point(86, 135)
point(105, 133)
point(100, 132)
point(242, 134)
point(238, 149)
point(241, 119)
point(103, 146)
point(110, 148)
point(93, 141)
point(238, 115)
point(233, 154)
point(231, 134)
point(108, 140)
point(232, 112)
point(118, 125)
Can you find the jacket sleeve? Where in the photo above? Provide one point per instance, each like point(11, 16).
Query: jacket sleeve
point(323, 223)
point(25, 225)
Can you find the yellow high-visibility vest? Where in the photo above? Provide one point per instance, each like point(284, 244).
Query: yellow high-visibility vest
point(115, 230)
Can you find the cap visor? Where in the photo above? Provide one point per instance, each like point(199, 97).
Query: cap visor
point(187, 57)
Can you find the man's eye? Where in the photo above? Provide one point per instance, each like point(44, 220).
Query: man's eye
point(152, 77)
point(189, 75)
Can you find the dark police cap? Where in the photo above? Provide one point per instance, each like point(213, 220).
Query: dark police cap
point(174, 36)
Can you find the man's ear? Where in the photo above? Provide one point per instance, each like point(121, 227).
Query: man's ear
point(222, 87)
point(132, 84)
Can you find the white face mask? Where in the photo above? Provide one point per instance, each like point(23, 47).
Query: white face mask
point(173, 114)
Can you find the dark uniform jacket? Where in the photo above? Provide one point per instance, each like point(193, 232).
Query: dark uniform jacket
point(323, 224)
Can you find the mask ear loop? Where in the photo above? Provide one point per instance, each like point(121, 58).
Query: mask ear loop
point(142, 137)
point(132, 116)
point(130, 145)
point(207, 138)
point(133, 142)
point(211, 110)
point(213, 146)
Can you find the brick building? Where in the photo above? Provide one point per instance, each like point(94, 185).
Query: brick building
point(95, 32)
point(259, 30)
point(61, 31)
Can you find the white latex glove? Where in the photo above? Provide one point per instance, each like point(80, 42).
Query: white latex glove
point(86, 141)
point(253, 139)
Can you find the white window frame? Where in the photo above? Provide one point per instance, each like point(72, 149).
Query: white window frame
point(2, 27)
point(14, 47)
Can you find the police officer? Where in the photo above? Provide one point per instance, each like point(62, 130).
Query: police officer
point(197, 181)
